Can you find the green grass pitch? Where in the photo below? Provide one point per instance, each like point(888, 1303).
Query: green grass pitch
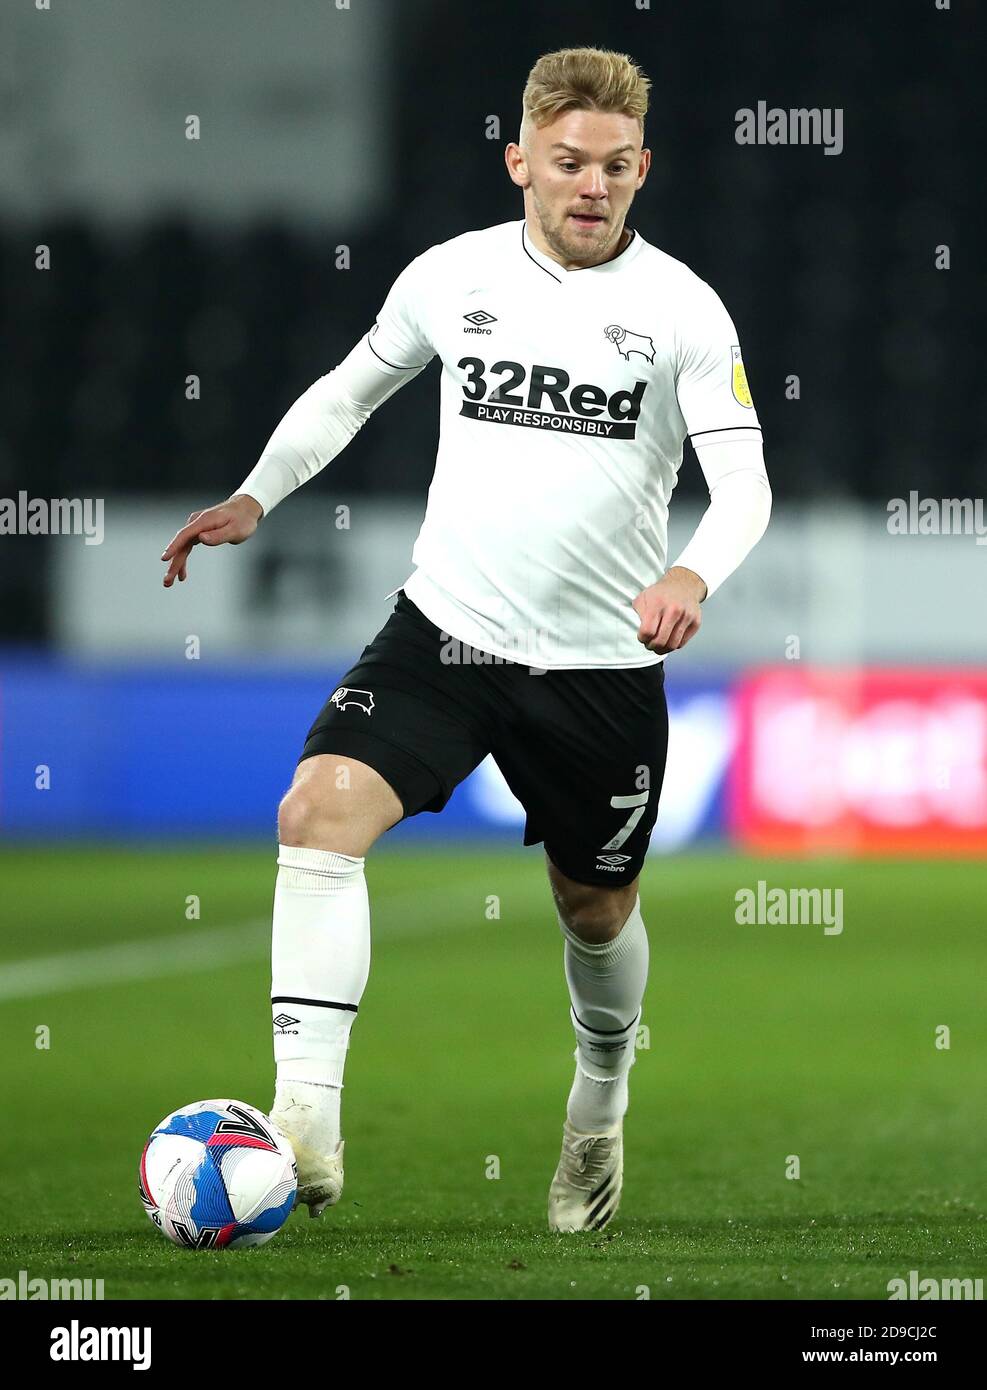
point(765, 1042)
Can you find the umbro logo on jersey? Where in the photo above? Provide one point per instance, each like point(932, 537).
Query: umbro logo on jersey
point(345, 696)
point(627, 342)
point(478, 319)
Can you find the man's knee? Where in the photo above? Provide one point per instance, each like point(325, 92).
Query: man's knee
point(304, 817)
point(334, 805)
point(593, 913)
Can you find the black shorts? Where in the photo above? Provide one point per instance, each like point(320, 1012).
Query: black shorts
point(583, 751)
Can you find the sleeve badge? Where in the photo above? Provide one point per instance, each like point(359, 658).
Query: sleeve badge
point(741, 391)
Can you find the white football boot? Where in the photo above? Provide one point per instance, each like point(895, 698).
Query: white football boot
point(585, 1191)
point(320, 1176)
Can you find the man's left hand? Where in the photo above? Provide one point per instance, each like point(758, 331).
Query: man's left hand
point(669, 611)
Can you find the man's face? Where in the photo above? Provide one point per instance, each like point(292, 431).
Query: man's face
point(580, 174)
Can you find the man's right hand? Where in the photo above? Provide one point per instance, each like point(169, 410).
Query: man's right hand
point(231, 523)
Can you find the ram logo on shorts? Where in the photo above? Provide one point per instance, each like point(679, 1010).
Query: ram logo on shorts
point(346, 696)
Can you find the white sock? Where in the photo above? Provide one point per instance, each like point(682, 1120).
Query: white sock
point(320, 963)
point(606, 987)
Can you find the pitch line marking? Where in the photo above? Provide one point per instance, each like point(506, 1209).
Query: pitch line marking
point(189, 952)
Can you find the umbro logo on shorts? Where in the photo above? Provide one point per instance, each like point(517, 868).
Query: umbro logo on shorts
point(344, 696)
point(283, 1022)
point(613, 863)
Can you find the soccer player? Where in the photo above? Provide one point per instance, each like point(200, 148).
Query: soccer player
point(576, 359)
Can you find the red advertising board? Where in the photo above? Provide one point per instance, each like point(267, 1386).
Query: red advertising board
point(868, 761)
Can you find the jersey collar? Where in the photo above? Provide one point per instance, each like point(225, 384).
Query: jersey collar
point(612, 267)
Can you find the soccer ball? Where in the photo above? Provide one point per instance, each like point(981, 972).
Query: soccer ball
point(218, 1174)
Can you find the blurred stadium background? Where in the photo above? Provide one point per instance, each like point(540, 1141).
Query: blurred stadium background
point(834, 703)
point(332, 151)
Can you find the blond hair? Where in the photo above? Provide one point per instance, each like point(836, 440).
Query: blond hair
point(584, 79)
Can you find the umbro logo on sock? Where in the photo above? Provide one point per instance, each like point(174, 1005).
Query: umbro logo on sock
point(283, 1022)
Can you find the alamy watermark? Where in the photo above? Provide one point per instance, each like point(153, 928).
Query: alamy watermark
point(937, 516)
point(77, 1342)
point(524, 645)
point(796, 125)
point(806, 907)
point(925, 1289)
point(52, 516)
point(27, 1289)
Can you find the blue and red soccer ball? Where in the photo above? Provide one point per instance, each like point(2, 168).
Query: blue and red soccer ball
point(218, 1174)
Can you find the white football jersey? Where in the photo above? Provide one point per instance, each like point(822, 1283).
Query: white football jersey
point(566, 397)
